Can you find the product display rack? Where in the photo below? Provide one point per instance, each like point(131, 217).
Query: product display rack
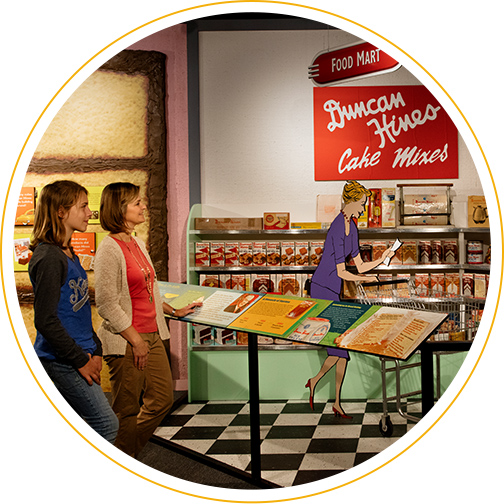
point(206, 362)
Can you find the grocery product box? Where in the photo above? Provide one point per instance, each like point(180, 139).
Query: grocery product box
point(224, 336)
point(310, 225)
point(302, 253)
point(202, 254)
point(480, 285)
point(366, 250)
point(422, 283)
point(477, 213)
point(450, 251)
point(388, 201)
point(245, 253)
point(424, 252)
point(226, 280)
point(238, 282)
point(210, 281)
point(217, 250)
point(362, 221)
point(276, 220)
point(425, 209)
point(379, 248)
point(452, 283)
point(437, 251)
point(409, 252)
point(261, 283)
point(259, 254)
point(402, 289)
point(273, 254)
point(289, 285)
point(375, 209)
point(202, 335)
point(232, 254)
point(438, 284)
point(288, 257)
point(240, 223)
point(468, 284)
point(316, 250)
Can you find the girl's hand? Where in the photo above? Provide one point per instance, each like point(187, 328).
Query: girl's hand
point(91, 370)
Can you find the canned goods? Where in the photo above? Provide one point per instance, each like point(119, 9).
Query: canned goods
point(474, 252)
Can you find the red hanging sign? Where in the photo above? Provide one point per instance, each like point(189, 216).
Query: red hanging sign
point(382, 133)
point(350, 62)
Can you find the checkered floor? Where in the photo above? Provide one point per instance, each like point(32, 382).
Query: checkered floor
point(298, 445)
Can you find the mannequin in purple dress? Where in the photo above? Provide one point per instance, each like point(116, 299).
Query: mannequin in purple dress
point(342, 241)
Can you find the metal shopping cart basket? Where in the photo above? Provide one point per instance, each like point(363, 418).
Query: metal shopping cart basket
point(462, 323)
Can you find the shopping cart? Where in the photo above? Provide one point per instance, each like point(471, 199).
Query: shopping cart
point(464, 315)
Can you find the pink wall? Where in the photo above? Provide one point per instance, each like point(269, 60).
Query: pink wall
point(172, 42)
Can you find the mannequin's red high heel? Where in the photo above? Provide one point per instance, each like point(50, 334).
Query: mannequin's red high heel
point(312, 392)
point(341, 413)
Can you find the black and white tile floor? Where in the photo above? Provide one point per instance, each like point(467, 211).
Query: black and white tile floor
point(298, 445)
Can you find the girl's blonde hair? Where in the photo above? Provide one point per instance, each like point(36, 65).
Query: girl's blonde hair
point(115, 199)
point(353, 191)
point(48, 226)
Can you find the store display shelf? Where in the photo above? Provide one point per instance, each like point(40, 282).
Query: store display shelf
point(311, 268)
point(239, 348)
point(257, 232)
point(251, 269)
point(317, 232)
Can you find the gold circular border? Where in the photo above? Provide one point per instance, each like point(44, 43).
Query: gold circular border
point(212, 5)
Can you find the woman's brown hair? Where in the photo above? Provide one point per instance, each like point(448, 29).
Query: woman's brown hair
point(114, 201)
point(54, 197)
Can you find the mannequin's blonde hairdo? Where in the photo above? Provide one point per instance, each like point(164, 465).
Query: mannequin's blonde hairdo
point(353, 191)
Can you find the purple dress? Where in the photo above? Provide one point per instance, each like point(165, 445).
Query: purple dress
point(326, 284)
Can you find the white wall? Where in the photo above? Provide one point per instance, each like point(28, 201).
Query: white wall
point(257, 124)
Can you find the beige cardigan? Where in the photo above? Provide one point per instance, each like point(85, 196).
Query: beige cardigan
point(113, 299)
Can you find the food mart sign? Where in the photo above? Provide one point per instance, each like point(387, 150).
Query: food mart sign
point(382, 133)
point(350, 62)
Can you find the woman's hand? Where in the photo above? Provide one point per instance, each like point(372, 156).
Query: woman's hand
point(91, 370)
point(140, 354)
point(369, 278)
point(388, 253)
point(182, 312)
point(139, 347)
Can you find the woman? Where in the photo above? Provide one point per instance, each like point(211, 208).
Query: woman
point(342, 240)
point(66, 343)
point(128, 300)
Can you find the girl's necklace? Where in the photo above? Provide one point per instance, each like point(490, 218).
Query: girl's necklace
point(143, 267)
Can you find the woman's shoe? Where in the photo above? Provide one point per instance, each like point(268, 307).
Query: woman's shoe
point(312, 392)
point(341, 413)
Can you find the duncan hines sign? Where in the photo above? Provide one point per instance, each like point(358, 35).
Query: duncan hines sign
point(382, 133)
point(350, 62)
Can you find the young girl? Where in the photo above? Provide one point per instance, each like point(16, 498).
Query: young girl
point(66, 343)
